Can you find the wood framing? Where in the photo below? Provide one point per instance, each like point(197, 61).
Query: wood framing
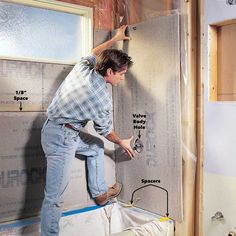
point(226, 71)
point(187, 227)
point(222, 58)
point(213, 63)
point(200, 120)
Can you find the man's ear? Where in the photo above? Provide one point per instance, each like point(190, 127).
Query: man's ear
point(109, 72)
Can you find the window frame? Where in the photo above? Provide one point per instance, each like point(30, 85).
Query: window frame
point(86, 25)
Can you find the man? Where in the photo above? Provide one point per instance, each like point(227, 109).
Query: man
point(82, 96)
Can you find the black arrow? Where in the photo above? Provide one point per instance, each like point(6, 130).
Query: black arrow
point(167, 196)
point(139, 134)
point(20, 106)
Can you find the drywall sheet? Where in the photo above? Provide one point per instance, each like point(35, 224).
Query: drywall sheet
point(147, 106)
point(29, 86)
point(23, 168)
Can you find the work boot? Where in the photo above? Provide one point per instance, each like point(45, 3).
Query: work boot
point(112, 192)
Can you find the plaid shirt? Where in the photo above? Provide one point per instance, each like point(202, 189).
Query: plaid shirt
point(83, 96)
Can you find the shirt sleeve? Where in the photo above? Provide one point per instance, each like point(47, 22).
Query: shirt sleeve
point(88, 61)
point(103, 124)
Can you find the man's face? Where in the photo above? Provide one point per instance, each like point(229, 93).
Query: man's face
point(114, 78)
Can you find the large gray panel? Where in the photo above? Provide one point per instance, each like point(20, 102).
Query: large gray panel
point(21, 82)
point(22, 168)
point(53, 75)
point(76, 195)
point(21, 156)
point(147, 104)
point(100, 36)
point(29, 83)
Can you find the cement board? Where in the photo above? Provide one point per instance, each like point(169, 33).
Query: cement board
point(22, 163)
point(31, 87)
point(147, 106)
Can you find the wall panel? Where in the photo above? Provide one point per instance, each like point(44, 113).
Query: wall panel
point(23, 166)
point(21, 86)
point(22, 169)
point(53, 75)
point(147, 106)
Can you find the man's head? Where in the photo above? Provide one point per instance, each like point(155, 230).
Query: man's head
point(112, 64)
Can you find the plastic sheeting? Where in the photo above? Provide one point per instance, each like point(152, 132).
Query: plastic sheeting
point(110, 14)
point(109, 220)
point(139, 222)
point(135, 11)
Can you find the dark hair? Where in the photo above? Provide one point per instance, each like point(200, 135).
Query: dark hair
point(112, 58)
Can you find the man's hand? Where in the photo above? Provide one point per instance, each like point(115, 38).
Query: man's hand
point(126, 145)
point(123, 143)
point(120, 34)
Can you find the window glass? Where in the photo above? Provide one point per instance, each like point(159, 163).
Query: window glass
point(30, 32)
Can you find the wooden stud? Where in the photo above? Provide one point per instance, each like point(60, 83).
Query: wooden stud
point(213, 63)
point(200, 121)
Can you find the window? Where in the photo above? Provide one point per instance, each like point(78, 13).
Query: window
point(44, 31)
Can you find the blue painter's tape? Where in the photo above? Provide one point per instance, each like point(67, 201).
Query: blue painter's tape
point(20, 223)
point(78, 211)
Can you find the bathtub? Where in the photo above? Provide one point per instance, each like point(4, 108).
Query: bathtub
point(132, 221)
point(114, 219)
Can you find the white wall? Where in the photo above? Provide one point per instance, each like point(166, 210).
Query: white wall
point(220, 145)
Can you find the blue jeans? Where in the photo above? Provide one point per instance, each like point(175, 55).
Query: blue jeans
point(60, 144)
